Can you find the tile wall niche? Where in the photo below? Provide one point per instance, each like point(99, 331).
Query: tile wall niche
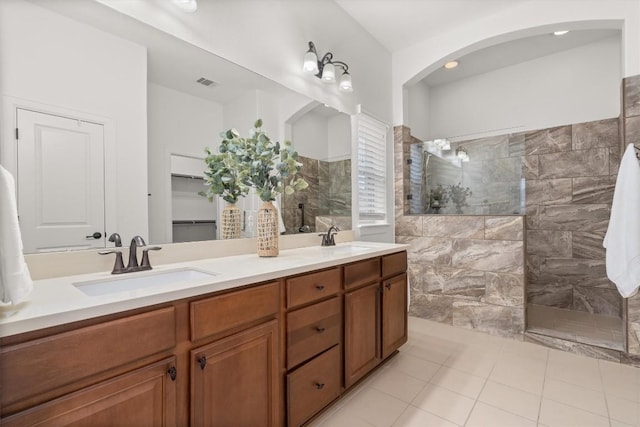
point(466, 271)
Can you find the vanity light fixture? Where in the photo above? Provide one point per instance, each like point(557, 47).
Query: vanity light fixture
point(187, 5)
point(442, 144)
point(451, 64)
point(325, 69)
point(560, 33)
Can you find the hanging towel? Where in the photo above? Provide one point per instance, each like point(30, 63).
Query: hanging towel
point(15, 280)
point(281, 228)
point(623, 235)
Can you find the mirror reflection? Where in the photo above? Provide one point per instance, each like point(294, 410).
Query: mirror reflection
point(158, 102)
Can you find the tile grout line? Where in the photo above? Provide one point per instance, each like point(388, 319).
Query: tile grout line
point(544, 382)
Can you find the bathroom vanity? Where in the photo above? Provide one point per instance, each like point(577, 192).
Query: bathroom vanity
point(273, 342)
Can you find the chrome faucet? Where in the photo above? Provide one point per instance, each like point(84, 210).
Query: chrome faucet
point(327, 238)
point(136, 242)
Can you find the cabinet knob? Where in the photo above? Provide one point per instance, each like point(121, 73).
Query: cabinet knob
point(388, 286)
point(319, 386)
point(320, 287)
point(319, 329)
point(202, 360)
point(173, 373)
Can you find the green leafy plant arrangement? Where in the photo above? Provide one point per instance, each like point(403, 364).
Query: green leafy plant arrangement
point(458, 195)
point(256, 162)
point(225, 176)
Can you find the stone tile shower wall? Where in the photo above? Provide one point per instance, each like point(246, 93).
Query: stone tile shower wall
point(631, 133)
point(466, 271)
point(335, 195)
point(570, 174)
point(291, 214)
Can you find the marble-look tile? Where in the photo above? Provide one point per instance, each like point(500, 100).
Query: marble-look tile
point(633, 338)
point(594, 162)
point(517, 144)
point(599, 133)
point(593, 189)
point(409, 225)
point(465, 284)
point(492, 147)
point(459, 226)
point(632, 130)
point(549, 243)
point(574, 271)
point(550, 140)
point(573, 347)
point(532, 217)
point(503, 228)
point(532, 267)
point(432, 307)
point(493, 319)
point(504, 289)
point(548, 191)
point(488, 255)
point(426, 278)
point(588, 245)
point(633, 308)
point(631, 96)
point(323, 223)
point(614, 160)
point(550, 294)
point(502, 170)
point(530, 167)
point(435, 250)
point(606, 302)
point(578, 217)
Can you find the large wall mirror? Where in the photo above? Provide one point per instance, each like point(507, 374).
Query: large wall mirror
point(158, 102)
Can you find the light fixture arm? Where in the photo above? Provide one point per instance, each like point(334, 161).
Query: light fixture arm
point(326, 59)
point(324, 68)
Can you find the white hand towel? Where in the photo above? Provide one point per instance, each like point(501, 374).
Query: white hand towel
point(15, 280)
point(623, 235)
point(281, 228)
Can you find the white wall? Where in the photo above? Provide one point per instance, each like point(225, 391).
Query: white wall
point(182, 124)
point(310, 135)
point(573, 86)
point(417, 101)
point(59, 64)
point(527, 18)
point(339, 137)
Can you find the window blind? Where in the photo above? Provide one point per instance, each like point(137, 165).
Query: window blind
point(372, 170)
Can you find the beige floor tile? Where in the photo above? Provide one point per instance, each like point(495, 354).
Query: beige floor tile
point(556, 414)
point(527, 349)
point(519, 375)
point(415, 417)
point(510, 399)
point(484, 415)
point(557, 357)
point(579, 374)
point(433, 351)
point(340, 418)
point(573, 395)
point(415, 366)
point(475, 360)
point(624, 410)
point(458, 381)
point(397, 384)
point(616, 423)
point(444, 403)
point(375, 407)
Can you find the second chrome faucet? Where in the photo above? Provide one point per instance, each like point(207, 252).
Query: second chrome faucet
point(136, 242)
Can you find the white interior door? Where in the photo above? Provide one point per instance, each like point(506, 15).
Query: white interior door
point(60, 182)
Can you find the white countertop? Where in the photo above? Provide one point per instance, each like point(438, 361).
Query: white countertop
point(57, 301)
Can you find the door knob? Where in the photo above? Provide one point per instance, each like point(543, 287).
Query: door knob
point(95, 235)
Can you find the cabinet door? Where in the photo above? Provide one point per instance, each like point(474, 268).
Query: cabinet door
point(144, 397)
point(361, 332)
point(234, 381)
point(394, 314)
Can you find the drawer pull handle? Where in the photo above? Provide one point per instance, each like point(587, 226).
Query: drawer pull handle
point(173, 373)
point(202, 360)
point(320, 287)
point(319, 386)
point(319, 329)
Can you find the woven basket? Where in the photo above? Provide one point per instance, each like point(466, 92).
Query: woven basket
point(268, 230)
point(230, 222)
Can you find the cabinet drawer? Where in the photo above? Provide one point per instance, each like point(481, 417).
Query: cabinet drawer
point(394, 264)
point(312, 330)
point(312, 287)
point(361, 273)
point(225, 312)
point(43, 365)
point(312, 386)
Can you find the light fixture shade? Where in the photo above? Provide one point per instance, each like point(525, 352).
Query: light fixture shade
point(310, 65)
point(329, 73)
point(187, 5)
point(345, 83)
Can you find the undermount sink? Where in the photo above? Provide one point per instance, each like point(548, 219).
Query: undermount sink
point(127, 283)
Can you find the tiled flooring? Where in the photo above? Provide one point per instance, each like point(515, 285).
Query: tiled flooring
point(447, 376)
point(577, 326)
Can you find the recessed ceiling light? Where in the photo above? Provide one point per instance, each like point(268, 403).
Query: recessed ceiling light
point(451, 64)
point(560, 33)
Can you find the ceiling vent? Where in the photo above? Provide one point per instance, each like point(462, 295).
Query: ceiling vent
point(206, 82)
